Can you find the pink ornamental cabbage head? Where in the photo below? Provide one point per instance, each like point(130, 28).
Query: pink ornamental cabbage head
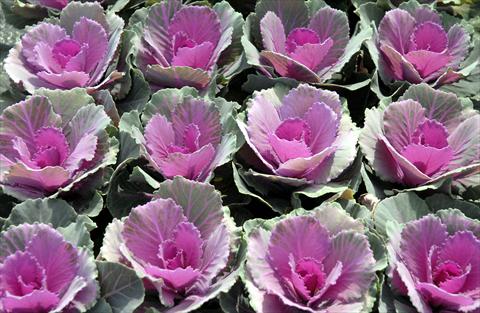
point(54, 4)
point(77, 52)
point(186, 135)
point(435, 261)
point(180, 244)
point(317, 262)
point(306, 43)
point(48, 146)
point(425, 137)
point(300, 133)
point(41, 272)
point(415, 46)
point(184, 45)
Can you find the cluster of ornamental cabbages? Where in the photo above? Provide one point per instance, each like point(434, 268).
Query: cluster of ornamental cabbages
point(240, 156)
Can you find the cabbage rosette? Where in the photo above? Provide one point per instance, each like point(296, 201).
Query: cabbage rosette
point(182, 243)
point(76, 51)
point(26, 8)
point(188, 45)
point(297, 139)
point(52, 143)
point(309, 261)
point(423, 139)
point(185, 134)
point(413, 43)
point(41, 271)
point(306, 41)
point(434, 262)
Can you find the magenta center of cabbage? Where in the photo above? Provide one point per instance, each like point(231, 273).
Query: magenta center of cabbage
point(64, 50)
point(190, 141)
point(181, 40)
point(29, 279)
point(299, 37)
point(311, 272)
point(180, 251)
point(51, 147)
point(428, 36)
point(294, 129)
point(446, 271)
point(173, 256)
point(431, 133)
point(429, 150)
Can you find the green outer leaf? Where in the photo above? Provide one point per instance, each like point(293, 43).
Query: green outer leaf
point(104, 98)
point(293, 13)
point(72, 13)
point(468, 85)
point(56, 212)
point(411, 5)
point(370, 12)
point(259, 82)
point(275, 191)
point(138, 94)
point(361, 35)
point(95, 205)
point(120, 287)
point(122, 194)
point(118, 5)
point(232, 60)
point(235, 301)
point(131, 138)
point(66, 103)
point(130, 41)
point(243, 188)
point(389, 304)
point(372, 295)
point(444, 105)
point(77, 233)
point(140, 176)
point(9, 33)
point(101, 307)
point(373, 184)
point(317, 191)
point(357, 211)
point(165, 100)
point(350, 87)
point(401, 208)
point(439, 202)
point(318, 212)
point(379, 251)
point(315, 5)
point(250, 29)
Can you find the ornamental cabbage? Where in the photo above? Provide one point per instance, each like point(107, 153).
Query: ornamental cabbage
point(41, 272)
point(180, 243)
point(53, 4)
point(416, 46)
point(49, 145)
point(77, 52)
point(316, 262)
point(184, 45)
point(298, 40)
point(300, 133)
point(187, 135)
point(425, 137)
point(434, 262)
